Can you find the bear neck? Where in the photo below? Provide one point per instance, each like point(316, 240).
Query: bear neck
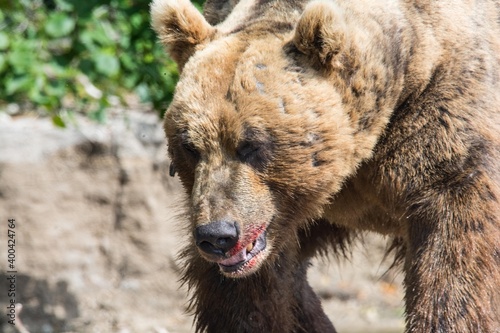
point(268, 301)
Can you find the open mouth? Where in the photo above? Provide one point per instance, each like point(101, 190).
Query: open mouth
point(246, 258)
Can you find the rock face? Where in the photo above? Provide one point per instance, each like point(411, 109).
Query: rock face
point(93, 208)
point(97, 231)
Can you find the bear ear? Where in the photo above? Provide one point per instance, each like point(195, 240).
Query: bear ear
point(320, 33)
point(180, 27)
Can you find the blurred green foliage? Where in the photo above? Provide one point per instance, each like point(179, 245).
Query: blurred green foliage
point(83, 53)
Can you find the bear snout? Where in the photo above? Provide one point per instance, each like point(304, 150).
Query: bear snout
point(217, 238)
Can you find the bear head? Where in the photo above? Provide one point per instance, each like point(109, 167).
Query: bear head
point(256, 131)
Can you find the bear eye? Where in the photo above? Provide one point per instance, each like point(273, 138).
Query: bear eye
point(255, 154)
point(247, 151)
point(191, 149)
point(255, 148)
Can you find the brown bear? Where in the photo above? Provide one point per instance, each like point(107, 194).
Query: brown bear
point(296, 125)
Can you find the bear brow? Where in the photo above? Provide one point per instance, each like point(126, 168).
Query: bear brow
point(185, 139)
point(254, 134)
point(258, 138)
point(261, 26)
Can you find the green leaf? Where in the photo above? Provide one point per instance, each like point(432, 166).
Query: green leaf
point(59, 25)
point(199, 7)
point(64, 6)
point(58, 121)
point(98, 32)
point(130, 81)
point(100, 12)
point(57, 89)
point(84, 8)
point(3, 63)
point(114, 47)
point(23, 56)
point(98, 115)
point(109, 31)
point(142, 91)
point(136, 20)
point(106, 64)
point(16, 84)
point(87, 40)
point(128, 62)
point(4, 40)
point(36, 97)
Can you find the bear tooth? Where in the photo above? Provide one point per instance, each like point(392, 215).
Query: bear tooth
point(249, 247)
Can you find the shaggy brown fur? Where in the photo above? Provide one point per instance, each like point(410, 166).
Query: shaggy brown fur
point(300, 124)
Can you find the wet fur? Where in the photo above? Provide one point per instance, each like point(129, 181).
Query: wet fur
point(370, 116)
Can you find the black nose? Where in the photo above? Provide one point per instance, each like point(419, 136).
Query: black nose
point(216, 237)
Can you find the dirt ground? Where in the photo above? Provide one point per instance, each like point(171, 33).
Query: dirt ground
point(97, 232)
